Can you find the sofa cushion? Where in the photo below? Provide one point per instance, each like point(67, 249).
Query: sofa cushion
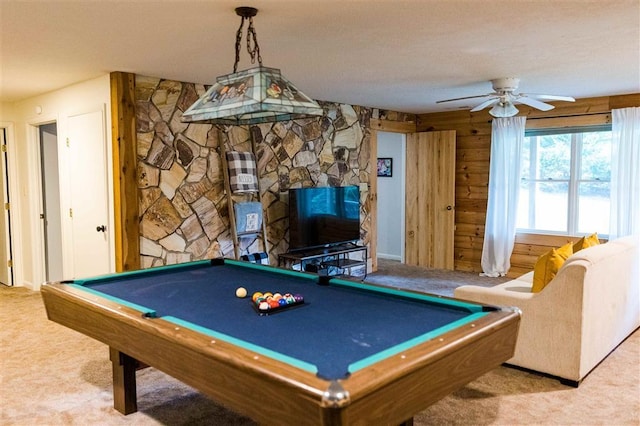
point(585, 242)
point(548, 265)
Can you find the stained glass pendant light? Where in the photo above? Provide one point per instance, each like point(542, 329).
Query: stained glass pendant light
point(256, 95)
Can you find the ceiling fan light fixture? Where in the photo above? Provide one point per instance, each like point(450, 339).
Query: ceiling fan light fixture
point(504, 95)
point(503, 109)
point(253, 96)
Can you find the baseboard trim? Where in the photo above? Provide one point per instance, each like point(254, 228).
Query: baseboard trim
point(390, 257)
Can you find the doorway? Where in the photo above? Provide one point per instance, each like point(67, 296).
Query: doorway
point(391, 150)
point(71, 197)
point(50, 213)
point(6, 262)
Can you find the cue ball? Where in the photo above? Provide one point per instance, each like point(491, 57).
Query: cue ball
point(241, 292)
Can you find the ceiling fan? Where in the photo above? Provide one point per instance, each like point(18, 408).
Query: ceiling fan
point(504, 97)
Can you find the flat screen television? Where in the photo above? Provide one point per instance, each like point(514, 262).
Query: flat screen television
point(323, 216)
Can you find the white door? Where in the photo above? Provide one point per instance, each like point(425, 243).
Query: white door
point(89, 194)
point(5, 241)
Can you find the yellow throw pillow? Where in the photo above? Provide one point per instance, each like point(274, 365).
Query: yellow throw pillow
point(539, 272)
point(548, 265)
point(584, 242)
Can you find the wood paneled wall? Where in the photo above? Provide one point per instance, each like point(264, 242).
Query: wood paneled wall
point(473, 132)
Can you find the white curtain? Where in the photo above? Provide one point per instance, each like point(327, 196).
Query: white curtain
point(625, 173)
point(507, 136)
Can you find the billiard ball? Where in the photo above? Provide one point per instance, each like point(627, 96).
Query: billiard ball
point(241, 292)
point(273, 303)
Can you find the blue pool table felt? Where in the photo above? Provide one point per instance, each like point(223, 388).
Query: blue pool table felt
point(341, 327)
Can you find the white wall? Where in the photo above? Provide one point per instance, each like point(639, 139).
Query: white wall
point(24, 117)
point(390, 244)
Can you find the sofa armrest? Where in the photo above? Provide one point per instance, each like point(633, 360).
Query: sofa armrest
point(511, 293)
point(549, 334)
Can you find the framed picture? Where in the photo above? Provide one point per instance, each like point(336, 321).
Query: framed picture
point(385, 167)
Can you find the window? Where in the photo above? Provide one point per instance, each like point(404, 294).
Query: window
point(564, 187)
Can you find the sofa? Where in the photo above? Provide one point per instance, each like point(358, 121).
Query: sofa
point(579, 317)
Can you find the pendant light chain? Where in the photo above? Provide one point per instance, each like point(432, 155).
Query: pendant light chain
point(254, 52)
point(238, 41)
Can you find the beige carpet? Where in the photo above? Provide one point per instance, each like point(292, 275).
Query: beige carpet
point(50, 375)
point(436, 281)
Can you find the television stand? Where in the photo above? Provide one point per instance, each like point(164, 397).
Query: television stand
point(333, 260)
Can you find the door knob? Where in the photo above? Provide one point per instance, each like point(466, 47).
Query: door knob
point(101, 228)
point(449, 207)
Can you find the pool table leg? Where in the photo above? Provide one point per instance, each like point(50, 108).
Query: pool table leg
point(124, 382)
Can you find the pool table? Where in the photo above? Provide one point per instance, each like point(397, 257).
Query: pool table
point(350, 353)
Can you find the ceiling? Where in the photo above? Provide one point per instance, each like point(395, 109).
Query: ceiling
point(389, 54)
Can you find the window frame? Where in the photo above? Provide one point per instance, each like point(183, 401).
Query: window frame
point(573, 182)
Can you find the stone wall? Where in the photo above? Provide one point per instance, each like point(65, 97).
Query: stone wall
point(183, 207)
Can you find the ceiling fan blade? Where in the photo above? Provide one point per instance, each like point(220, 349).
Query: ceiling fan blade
point(534, 103)
point(551, 97)
point(466, 97)
point(486, 104)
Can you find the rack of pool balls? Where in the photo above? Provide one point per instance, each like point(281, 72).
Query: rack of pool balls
point(268, 302)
